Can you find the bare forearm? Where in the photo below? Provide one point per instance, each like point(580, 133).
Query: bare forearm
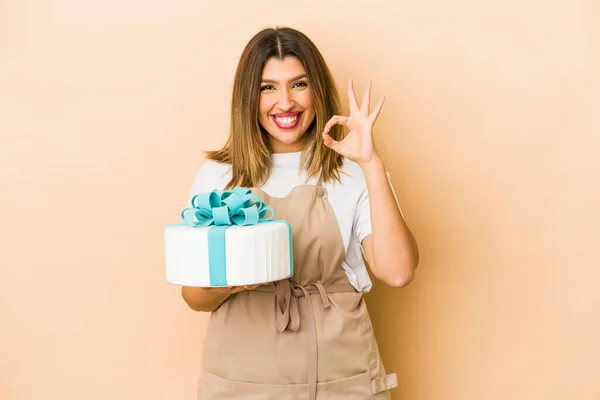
point(393, 249)
point(203, 299)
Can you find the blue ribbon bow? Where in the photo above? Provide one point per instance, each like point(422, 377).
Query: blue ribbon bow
point(237, 207)
point(223, 209)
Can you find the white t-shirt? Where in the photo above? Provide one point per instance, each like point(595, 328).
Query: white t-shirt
point(349, 200)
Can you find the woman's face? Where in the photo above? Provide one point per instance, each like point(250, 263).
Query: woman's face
point(285, 108)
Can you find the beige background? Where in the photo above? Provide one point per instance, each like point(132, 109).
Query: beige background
point(490, 132)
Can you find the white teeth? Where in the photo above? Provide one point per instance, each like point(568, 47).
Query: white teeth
point(286, 120)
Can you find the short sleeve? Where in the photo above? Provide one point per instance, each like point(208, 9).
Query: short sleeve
point(362, 218)
point(207, 179)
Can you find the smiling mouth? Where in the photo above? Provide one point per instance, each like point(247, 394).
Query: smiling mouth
point(287, 122)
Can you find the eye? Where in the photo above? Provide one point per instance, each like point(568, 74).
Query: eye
point(267, 87)
point(300, 84)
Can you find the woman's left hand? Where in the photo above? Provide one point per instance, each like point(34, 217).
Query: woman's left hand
point(358, 144)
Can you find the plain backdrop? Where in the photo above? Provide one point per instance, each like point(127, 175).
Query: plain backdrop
point(490, 132)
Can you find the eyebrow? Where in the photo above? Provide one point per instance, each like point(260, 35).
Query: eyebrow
point(291, 80)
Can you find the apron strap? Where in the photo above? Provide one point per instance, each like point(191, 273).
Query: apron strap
point(287, 294)
point(386, 382)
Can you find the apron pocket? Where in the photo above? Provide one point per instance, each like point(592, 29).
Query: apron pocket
point(214, 387)
point(354, 388)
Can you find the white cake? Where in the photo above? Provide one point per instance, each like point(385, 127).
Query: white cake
point(254, 254)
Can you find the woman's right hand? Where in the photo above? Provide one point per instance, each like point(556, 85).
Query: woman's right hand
point(210, 298)
point(233, 289)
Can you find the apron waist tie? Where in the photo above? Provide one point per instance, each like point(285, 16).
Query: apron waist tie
point(287, 294)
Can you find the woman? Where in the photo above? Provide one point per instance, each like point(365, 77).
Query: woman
point(308, 337)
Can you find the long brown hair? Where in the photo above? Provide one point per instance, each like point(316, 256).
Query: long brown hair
point(247, 149)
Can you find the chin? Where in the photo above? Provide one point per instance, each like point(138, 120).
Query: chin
point(295, 143)
point(286, 137)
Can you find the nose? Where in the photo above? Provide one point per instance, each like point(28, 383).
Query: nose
point(286, 100)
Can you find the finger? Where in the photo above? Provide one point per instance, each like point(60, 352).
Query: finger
point(221, 289)
point(237, 289)
point(336, 119)
point(377, 110)
point(364, 107)
point(247, 287)
point(331, 142)
point(255, 286)
point(352, 97)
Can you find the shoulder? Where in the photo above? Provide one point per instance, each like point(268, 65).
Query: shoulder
point(352, 174)
point(210, 168)
point(350, 188)
point(211, 175)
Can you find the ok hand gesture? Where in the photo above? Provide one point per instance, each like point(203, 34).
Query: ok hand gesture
point(358, 144)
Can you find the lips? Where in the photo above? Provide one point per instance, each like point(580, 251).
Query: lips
point(287, 120)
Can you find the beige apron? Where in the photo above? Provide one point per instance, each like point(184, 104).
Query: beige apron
point(307, 337)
